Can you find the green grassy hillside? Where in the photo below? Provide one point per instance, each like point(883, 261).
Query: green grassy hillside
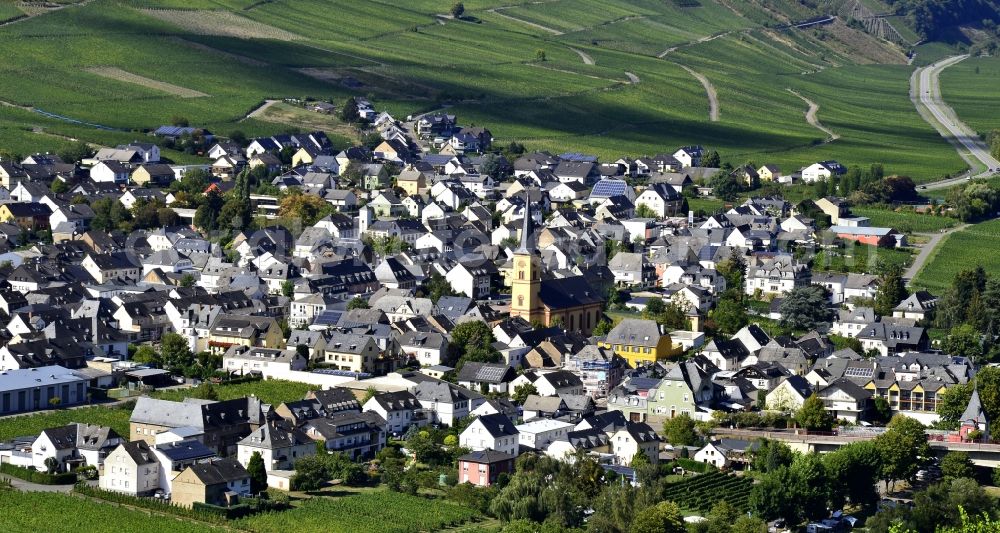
point(214, 62)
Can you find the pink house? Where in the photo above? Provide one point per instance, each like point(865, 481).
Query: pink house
point(481, 468)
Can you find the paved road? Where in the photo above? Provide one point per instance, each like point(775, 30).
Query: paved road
point(925, 91)
point(927, 249)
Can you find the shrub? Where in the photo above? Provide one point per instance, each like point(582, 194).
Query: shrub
point(35, 476)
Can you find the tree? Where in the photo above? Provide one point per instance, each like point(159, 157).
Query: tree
point(853, 471)
point(205, 391)
point(726, 186)
point(891, 290)
point(357, 303)
point(964, 341)
point(810, 486)
point(680, 430)
point(145, 354)
point(187, 280)
point(602, 328)
point(806, 307)
point(288, 288)
point(307, 208)
point(771, 455)
point(437, 286)
point(711, 160)
point(238, 137)
point(953, 308)
point(472, 341)
point(457, 10)
point(644, 211)
point(494, 166)
point(956, 465)
point(813, 415)
point(175, 352)
point(521, 393)
point(540, 54)
point(883, 411)
point(59, 186)
point(772, 496)
point(664, 517)
point(370, 393)
point(730, 315)
point(51, 465)
point(349, 111)
point(903, 447)
point(952, 403)
point(178, 120)
point(258, 474)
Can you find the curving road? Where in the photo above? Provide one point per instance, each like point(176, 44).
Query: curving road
point(925, 92)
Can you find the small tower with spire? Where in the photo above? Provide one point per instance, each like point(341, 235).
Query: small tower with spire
point(974, 418)
point(527, 274)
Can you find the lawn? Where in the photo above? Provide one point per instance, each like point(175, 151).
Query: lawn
point(906, 221)
point(972, 246)
point(382, 511)
point(47, 511)
point(32, 424)
point(270, 391)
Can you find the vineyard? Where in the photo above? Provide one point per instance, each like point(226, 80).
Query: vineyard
point(700, 493)
point(49, 511)
point(26, 425)
point(906, 221)
point(963, 249)
point(239, 52)
point(383, 511)
point(272, 391)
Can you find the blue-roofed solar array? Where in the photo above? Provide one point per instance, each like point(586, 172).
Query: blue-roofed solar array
point(609, 188)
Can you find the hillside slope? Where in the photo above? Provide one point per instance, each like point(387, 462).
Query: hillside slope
point(611, 77)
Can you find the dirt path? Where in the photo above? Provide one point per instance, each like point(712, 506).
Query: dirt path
point(587, 60)
point(41, 11)
point(927, 250)
point(813, 120)
point(118, 74)
point(713, 96)
point(497, 11)
point(260, 110)
point(632, 78)
point(664, 53)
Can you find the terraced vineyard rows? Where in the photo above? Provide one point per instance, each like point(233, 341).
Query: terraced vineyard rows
point(701, 492)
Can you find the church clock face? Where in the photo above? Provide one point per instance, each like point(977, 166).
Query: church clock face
point(522, 263)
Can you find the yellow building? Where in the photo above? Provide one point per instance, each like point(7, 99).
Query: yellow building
point(570, 303)
point(639, 342)
point(244, 330)
point(412, 181)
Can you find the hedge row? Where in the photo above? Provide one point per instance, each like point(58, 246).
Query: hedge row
point(34, 476)
point(199, 511)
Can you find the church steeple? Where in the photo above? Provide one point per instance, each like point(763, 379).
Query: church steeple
point(527, 274)
point(525, 246)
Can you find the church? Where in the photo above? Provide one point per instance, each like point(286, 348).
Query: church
point(570, 303)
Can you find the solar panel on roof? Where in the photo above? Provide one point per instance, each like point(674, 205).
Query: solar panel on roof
point(859, 372)
point(609, 188)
